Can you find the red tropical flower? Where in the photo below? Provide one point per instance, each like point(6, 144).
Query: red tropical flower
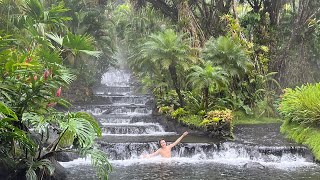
point(58, 92)
point(29, 59)
point(46, 74)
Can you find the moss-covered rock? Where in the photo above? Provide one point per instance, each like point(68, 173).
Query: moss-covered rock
point(218, 123)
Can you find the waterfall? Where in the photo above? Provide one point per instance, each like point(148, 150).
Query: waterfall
point(130, 130)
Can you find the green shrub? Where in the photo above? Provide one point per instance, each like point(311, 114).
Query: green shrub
point(192, 121)
point(166, 109)
point(202, 113)
point(180, 112)
point(305, 135)
point(301, 105)
point(218, 123)
point(223, 115)
point(170, 98)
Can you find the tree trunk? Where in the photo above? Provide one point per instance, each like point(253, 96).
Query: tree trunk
point(273, 7)
point(306, 11)
point(206, 98)
point(190, 24)
point(174, 77)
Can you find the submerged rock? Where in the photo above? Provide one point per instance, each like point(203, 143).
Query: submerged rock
point(255, 165)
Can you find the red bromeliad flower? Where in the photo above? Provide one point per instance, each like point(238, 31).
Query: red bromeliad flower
point(29, 59)
point(58, 94)
point(35, 77)
point(46, 74)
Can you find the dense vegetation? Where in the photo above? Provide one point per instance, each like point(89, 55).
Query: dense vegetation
point(204, 61)
point(301, 111)
point(44, 47)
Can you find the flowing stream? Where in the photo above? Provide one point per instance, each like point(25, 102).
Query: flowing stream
point(129, 130)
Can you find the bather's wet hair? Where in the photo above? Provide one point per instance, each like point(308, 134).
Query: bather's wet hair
point(160, 141)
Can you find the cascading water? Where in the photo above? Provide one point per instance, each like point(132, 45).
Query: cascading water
point(129, 130)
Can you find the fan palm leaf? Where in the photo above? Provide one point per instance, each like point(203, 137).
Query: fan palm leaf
point(168, 51)
point(228, 54)
point(208, 79)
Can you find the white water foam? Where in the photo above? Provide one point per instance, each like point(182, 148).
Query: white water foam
point(76, 162)
point(151, 134)
point(284, 164)
point(134, 124)
point(116, 77)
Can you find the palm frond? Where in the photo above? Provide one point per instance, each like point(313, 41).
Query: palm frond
point(66, 76)
point(96, 54)
point(55, 37)
point(63, 102)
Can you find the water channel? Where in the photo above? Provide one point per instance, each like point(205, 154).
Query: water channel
point(129, 130)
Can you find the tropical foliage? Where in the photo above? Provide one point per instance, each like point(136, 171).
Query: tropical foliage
point(37, 50)
point(186, 67)
point(208, 79)
point(300, 109)
point(196, 57)
point(301, 105)
point(218, 123)
point(303, 134)
point(170, 54)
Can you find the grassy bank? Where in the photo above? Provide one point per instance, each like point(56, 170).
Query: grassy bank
point(240, 118)
point(308, 136)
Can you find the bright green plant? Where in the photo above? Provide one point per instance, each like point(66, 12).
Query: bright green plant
point(166, 109)
point(192, 121)
point(228, 54)
point(308, 136)
point(169, 52)
point(208, 79)
point(218, 122)
point(180, 112)
point(31, 86)
point(32, 82)
point(301, 105)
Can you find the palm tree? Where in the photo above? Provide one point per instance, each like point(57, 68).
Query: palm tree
point(228, 54)
point(169, 52)
point(51, 18)
point(95, 21)
point(207, 79)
